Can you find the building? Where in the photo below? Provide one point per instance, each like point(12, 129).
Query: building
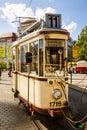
point(7, 39)
point(25, 24)
point(5, 47)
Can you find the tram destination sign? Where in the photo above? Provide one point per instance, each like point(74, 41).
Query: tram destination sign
point(54, 43)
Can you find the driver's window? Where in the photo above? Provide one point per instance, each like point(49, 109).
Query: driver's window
point(53, 55)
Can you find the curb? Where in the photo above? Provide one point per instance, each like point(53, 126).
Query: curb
point(78, 88)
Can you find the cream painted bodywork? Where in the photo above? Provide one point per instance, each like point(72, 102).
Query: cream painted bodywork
point(40, 92)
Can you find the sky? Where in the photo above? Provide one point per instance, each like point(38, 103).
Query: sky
point(73, 13)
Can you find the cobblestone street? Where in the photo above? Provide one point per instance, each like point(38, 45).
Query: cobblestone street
point(12, 116)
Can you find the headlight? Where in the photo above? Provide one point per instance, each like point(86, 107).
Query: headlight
point(56, 93)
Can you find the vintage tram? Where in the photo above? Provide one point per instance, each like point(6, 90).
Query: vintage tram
point(40, 67)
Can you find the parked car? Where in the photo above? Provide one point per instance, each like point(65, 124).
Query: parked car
point(81, 67)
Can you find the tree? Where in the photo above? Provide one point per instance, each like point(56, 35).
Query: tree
point(82, 44)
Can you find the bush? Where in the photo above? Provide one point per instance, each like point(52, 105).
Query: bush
point(3, 65)
point(10, 64)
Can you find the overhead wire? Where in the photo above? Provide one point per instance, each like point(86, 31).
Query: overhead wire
point(28, 3)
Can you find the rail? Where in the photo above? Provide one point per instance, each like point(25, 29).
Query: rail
point(38, 126)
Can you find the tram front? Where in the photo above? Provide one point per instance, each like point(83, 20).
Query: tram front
point(56, 73)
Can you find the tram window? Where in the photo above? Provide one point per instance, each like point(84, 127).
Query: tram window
point(28, 56)
point(13, 59)
point(52, 55)
point(34, 63)
point(19, 59)
point(41, 57)
point(24, 66)
point(52, 48)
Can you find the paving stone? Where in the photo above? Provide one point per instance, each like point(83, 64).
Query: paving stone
point(12, 116)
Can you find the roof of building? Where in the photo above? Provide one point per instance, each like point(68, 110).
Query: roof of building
point(28, 22)
point(8, 35)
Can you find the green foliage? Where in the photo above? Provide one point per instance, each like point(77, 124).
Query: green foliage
point(3, 65)
point(74, 42)
point(10, 64)
point(82, 44)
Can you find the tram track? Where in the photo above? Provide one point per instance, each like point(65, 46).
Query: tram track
point(38, 125)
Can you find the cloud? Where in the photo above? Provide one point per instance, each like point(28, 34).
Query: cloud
point(11, 11)
point(70, 27)
point(40, 13)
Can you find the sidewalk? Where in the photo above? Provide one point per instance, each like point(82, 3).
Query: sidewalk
point(79, 82)
point(12, 116)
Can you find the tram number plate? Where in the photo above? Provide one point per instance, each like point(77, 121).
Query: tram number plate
point(55, 104)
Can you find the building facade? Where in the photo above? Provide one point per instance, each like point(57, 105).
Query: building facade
point(5, 47)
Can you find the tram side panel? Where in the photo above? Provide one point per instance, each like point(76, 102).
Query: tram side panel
point(39, 93)
point(23, 88)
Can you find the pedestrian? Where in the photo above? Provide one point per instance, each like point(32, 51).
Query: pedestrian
point(0, 73)
point(9, 72)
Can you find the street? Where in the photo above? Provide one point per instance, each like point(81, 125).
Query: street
point(78, 94)
point(78, 79)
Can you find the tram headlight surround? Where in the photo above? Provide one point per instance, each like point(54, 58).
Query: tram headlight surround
point(56, 93)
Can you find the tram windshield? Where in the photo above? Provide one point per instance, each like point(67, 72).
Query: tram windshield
point(54, 56)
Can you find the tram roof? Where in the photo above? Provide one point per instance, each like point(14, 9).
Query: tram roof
point(40, 31)
point(36, 29)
